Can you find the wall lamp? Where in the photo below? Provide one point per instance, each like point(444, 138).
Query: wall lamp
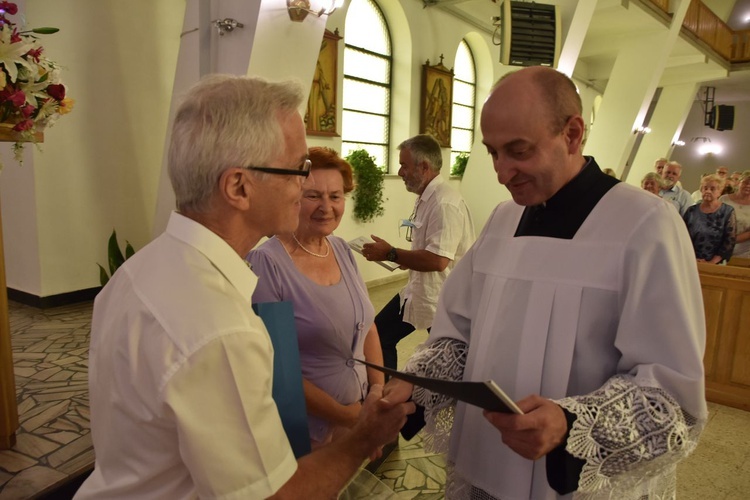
point(642, 130)
point(710, 149)
point(299, 9)
point(707, 147)
point(679, 143)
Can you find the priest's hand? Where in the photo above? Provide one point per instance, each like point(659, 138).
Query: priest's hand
point(538, 431)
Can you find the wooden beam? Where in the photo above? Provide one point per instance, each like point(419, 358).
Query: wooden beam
point(8, 406)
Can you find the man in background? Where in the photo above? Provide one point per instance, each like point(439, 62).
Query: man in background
point(554, 302)
point(672, 191)
point(181, 368)
point(440, 230)
point(659, 165)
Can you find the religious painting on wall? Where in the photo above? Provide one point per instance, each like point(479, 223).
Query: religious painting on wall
point(320, 118)
point(437, 100)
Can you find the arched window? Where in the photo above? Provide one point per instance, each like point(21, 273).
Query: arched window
point(464, 98)
point(367, 82)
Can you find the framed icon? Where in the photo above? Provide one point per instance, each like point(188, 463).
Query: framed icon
point(437, 102)
point(320, 117)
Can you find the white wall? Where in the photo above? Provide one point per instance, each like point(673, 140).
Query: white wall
point(736, 147)
point(100, 165)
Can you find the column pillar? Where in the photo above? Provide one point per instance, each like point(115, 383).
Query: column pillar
point(579, 26)
point(666, 124)
point(634, 78)
point(254, 50)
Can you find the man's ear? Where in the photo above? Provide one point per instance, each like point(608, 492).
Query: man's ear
point(235, 187)
point(574, 132)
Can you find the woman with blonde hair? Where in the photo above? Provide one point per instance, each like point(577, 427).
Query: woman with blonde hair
point(711, 224)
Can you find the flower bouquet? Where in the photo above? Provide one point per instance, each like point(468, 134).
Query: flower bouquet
point(32, 96)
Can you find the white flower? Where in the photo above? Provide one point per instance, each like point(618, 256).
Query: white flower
point(12, 53)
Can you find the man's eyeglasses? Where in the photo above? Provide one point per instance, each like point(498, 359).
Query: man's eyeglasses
point(409, 223)
point(303, 170)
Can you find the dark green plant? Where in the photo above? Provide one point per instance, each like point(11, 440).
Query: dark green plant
point(459, 165)
point(115, 257)
point(368, 195)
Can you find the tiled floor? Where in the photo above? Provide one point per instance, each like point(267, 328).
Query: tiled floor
point(50, 358)
point(50, 354)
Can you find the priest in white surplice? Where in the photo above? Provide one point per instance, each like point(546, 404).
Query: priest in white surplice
point(581, 300)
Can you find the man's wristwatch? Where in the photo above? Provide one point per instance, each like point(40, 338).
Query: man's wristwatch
point(392, 255)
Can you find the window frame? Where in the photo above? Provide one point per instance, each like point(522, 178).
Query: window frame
point(473, 107)
point(388, 85)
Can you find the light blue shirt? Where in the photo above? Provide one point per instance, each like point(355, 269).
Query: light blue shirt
point(680, 197)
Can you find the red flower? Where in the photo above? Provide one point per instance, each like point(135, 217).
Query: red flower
point(9, 8)
point(16, 97)
point(28, 110)
point(15, 37)
point(56, 91)
point(35, 53)
point(23, 125)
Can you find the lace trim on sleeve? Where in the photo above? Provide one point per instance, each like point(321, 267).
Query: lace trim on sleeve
point(445, 359)
point(630, 437)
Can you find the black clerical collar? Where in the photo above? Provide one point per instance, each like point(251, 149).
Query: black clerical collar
point(563, 214)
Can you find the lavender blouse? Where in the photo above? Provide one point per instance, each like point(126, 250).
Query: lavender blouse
point(332, 321)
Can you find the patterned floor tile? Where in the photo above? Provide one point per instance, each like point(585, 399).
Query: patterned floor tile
point(29, 482)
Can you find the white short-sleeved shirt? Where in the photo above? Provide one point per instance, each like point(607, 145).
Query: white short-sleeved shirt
point(444, 227)
point(180, 374)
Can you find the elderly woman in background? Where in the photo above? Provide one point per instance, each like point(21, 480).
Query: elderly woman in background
point(711, 223)
point(333, 314)
point(651, 182)
point(740, 201)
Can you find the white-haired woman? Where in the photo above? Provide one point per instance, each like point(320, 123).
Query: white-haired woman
point(711, 224)
point(652, 183)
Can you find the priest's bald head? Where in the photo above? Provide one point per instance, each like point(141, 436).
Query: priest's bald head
point(532, 127)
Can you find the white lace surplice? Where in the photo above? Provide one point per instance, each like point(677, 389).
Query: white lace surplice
point(560, 318)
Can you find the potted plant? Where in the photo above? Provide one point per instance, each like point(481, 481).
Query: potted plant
point(115, 257)
point(459, 165)
point(368, 194)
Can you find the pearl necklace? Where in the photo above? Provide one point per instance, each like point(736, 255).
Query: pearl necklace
point(322, 256)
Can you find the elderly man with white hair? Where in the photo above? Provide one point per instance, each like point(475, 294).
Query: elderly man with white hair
point(672, 190)
point(181, 368)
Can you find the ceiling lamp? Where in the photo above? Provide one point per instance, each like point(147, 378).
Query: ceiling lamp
point(299, 9)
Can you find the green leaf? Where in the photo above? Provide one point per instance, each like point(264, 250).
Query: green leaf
point(129, 251)
point(103, 276)
point(45, 30)
point(368, 195)
point(459, 166)
point(113, 252)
